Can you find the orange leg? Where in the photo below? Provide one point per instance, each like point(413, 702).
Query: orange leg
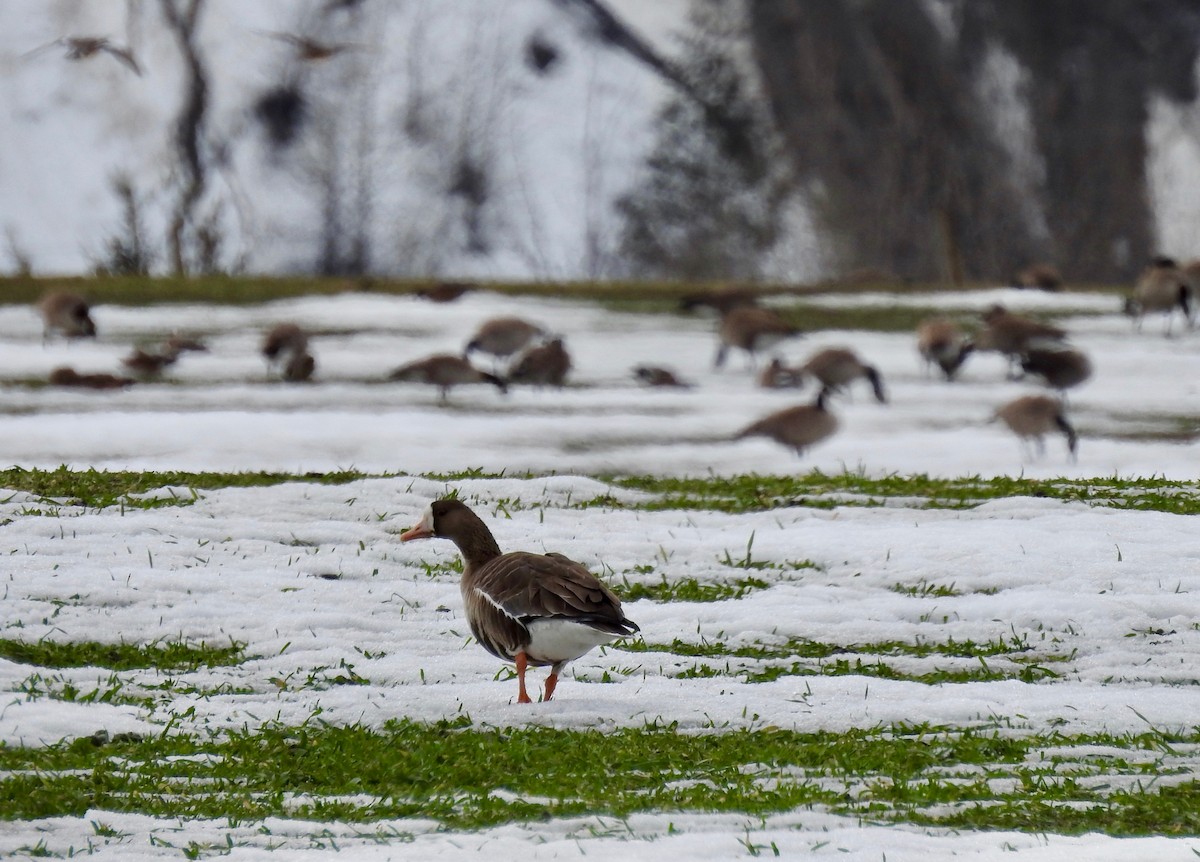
point(551, 683)
point(520, 659)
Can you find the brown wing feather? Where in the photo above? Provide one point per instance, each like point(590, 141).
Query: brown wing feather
point(529, 586)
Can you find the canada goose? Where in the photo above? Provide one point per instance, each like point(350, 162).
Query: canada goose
point(653, 375)
point(546, 364)
point(1031, 417)
point(1043, 276)
point(795, 427)
point(503, 336)
point(777, 375)
point(837, 367)
point(445, 371)
point(751, 329)
point(1013, 334)
point(1162, 287)
point(66, 313)
point(83, 47)
point(285, 345)
point(72, 378)
point(1060, 369)
point(942, 342)
point(527, 608)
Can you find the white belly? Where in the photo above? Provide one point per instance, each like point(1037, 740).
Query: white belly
point(557, 640)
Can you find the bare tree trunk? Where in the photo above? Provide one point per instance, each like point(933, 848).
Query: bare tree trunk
point(182, 17)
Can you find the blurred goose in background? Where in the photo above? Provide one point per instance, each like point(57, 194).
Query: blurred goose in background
point(146, 363)
point(941, 342)
point(795, 427)
point(1162, 288)
point(653, 375)
point(445, 291)
point(83, 47)
point(1032, 417)
point(69, 377)
point(66, 313)
point(1042, 276)
point(1013, 335)
point(544, 365)
point(285, 346)
point(527, 608)
point(751, 329)
point(837, 367)
point(1059, 369)
point(502, 337)
point(445, 371)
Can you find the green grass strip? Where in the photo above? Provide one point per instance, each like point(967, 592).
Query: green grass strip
point(470, 777)
point(164, 655)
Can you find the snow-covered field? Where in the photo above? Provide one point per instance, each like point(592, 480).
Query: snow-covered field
point(310, 576)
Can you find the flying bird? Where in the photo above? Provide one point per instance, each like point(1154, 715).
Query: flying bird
point(83, 47)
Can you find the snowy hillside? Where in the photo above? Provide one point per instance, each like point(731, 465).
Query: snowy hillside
point(433, 140)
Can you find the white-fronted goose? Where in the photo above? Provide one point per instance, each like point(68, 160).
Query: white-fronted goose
point(837, 367)
point(445, 371)
point(1032, 417)
point(795, 427)
point(777, 375)
point(1161, 288)
point(71, 378)
point(941, 342)
point(1059, 369)
point(527, 608)
point(751, 329)
point(1042, 276)
point(544, 365)
point(653, 375)
point(1013, 335)
point(503, 336)
point(66, 313)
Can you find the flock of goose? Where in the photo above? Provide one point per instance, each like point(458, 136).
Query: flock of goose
point(522, 352)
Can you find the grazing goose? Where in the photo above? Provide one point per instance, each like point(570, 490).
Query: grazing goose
point(445, 291)
point(503, 336)
point(286, 345)
point(1043, 276)
point(1031, 417)
point(1013, 335)
point(836, 368)
point(940, 341)
point(527, 608)
point(445, 371)
point(1162, 287)
point(751, 329)
point(546, 364)
point(72, 378)
point(653, 375)
point(66, 313)
point(1059, 369)
point(795, 427)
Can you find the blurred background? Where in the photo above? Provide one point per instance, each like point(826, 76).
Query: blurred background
point(774, 141)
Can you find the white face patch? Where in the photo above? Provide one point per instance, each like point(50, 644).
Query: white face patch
point(427, 518)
